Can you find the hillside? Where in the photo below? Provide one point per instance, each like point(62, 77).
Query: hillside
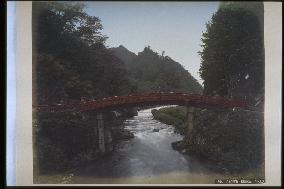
point(124, 54)
point(150, 71)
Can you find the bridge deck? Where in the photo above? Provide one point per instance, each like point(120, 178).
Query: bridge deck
point(147, 99)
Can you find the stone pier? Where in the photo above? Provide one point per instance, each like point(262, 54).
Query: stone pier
point(189, 119)
point(101, 132)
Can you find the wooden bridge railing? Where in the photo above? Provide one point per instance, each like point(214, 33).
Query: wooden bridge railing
point(147, 99)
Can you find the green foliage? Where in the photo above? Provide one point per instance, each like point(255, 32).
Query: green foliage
point(233, 55)
point(70, 58)
point(172, 116)
point(61, 19)
point(124, 54)
point(61, 138)
point(178, 111)
point(233, 139)
point(255, 7)
point(70, 61)
point(153, 72)
point(233, 66)
point(166, 118)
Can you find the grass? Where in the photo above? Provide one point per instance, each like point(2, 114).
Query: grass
point(174, 116)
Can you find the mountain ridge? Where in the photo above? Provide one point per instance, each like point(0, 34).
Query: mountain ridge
point(150, 71)
point(123, 53)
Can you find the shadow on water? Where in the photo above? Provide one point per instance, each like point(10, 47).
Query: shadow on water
point(148, 164)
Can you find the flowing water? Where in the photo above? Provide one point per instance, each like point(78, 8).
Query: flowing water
point(146, 158)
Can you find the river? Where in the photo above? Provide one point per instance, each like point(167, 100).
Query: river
point(145, 159)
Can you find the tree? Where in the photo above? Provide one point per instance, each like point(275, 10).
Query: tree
point(60, 19)
point(232, 58)
point(70, 56)
point(232, 65)
point(70, 62)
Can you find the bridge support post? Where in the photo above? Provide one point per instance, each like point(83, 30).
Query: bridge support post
point(101, 133)
point(189, 119)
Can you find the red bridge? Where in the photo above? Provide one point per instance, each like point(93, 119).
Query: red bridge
point(161, 98)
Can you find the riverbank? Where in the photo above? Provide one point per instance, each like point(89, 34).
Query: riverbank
point(64, 141)
point(233, 140)
point(174, 116)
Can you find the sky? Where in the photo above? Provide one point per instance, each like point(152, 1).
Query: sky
point(173, 27)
